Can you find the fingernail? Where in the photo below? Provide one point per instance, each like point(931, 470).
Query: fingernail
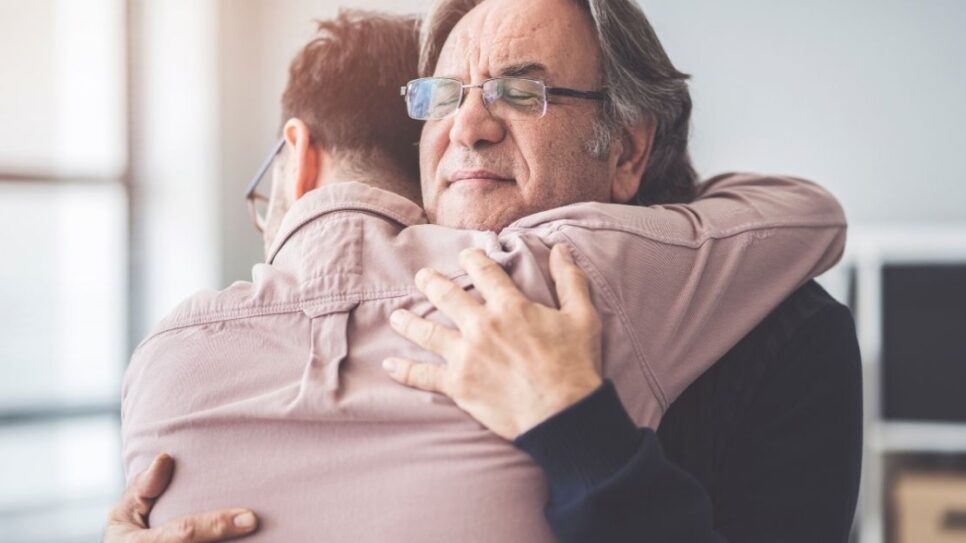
point(156, 461)
point(396, 317)
point(245, 520)
point(422, 275)
point(389, 365)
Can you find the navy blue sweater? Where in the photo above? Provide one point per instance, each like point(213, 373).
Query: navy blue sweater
point(765, 446)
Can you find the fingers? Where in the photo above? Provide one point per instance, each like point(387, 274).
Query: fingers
point(428, 377)
point(425, 333)
point(152, 481)
point(204, 528)
point(573, 288)
point(128, 520)
point(488, 276)
point(447, 296)
point(140, 495)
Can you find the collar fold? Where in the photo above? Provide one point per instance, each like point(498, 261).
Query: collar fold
point(343, 196)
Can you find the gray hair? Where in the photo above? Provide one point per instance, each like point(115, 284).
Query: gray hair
point(641, 83)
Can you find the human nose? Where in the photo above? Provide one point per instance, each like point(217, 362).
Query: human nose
point(473, 125)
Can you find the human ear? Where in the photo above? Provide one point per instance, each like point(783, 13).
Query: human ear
point(635, 150)
point(306, 156)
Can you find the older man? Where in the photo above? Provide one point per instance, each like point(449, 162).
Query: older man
point(772, 432)
point(510, 162)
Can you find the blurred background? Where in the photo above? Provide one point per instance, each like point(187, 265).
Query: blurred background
point(129, 128)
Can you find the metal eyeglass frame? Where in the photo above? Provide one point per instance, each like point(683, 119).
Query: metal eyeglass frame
point(253, 197)
point(599, 95)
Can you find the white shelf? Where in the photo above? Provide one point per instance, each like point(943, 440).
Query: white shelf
point(920, 437)
point(870, 248)
point(907, 243)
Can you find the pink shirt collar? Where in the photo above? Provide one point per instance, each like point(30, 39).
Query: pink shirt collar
point(342, 196)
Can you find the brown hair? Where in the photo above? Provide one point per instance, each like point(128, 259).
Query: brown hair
point(641, 83)
point(344, 84)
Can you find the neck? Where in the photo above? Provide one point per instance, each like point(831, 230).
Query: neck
point(380, 179)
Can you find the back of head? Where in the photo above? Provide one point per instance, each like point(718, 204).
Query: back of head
point(344, 84)
point(641, 83)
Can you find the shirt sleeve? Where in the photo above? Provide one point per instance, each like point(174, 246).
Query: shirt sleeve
point(688, 281)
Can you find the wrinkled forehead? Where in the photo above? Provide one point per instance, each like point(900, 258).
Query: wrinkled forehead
point(552, 40)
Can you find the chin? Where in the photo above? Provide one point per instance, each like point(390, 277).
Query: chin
point(480, 213)
point(474, 219)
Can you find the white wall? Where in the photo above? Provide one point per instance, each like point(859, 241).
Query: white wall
point(258, 40)
point(866, 97)
point(175, 200)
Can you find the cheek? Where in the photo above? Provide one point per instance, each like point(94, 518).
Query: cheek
point(432, 145)
point(561, 169)
point(434, 138)
point(546, 151)
point(427, 154)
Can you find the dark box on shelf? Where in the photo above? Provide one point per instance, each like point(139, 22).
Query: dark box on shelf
point(924, 342)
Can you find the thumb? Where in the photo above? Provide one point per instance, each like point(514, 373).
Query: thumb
point(152, 481)
point(139, 496)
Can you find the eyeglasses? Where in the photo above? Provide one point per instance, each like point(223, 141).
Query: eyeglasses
point(507, 98)
point(257, 202)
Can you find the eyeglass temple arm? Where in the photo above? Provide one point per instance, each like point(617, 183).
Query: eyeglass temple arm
point(264, 167)
point(586, 95)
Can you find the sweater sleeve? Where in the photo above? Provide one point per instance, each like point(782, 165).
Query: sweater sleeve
point(609, 480)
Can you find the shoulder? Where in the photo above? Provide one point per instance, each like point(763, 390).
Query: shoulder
point(808, 312)
point(217, 323)
point(270, 291)
point(799, 369)
point(808, 323)
point(816, 362)
point(801, 361)
point(209, 335)
point(809, 335)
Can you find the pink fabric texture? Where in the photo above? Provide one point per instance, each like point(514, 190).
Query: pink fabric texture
point(270, 393)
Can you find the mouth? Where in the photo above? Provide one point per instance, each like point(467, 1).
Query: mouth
point(477, 177)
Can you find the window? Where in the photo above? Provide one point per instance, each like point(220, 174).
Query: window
point(63, 278)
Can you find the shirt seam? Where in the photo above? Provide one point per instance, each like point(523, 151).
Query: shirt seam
point(278, 308)
point(199, 318)
point(606, 291)
point(558, 224)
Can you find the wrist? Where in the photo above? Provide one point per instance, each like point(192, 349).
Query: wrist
point(565, 396)
point(584, 444)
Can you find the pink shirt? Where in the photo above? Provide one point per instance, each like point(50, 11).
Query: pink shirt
point(270, 394)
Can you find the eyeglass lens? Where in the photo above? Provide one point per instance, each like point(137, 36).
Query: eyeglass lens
point(505, 97)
